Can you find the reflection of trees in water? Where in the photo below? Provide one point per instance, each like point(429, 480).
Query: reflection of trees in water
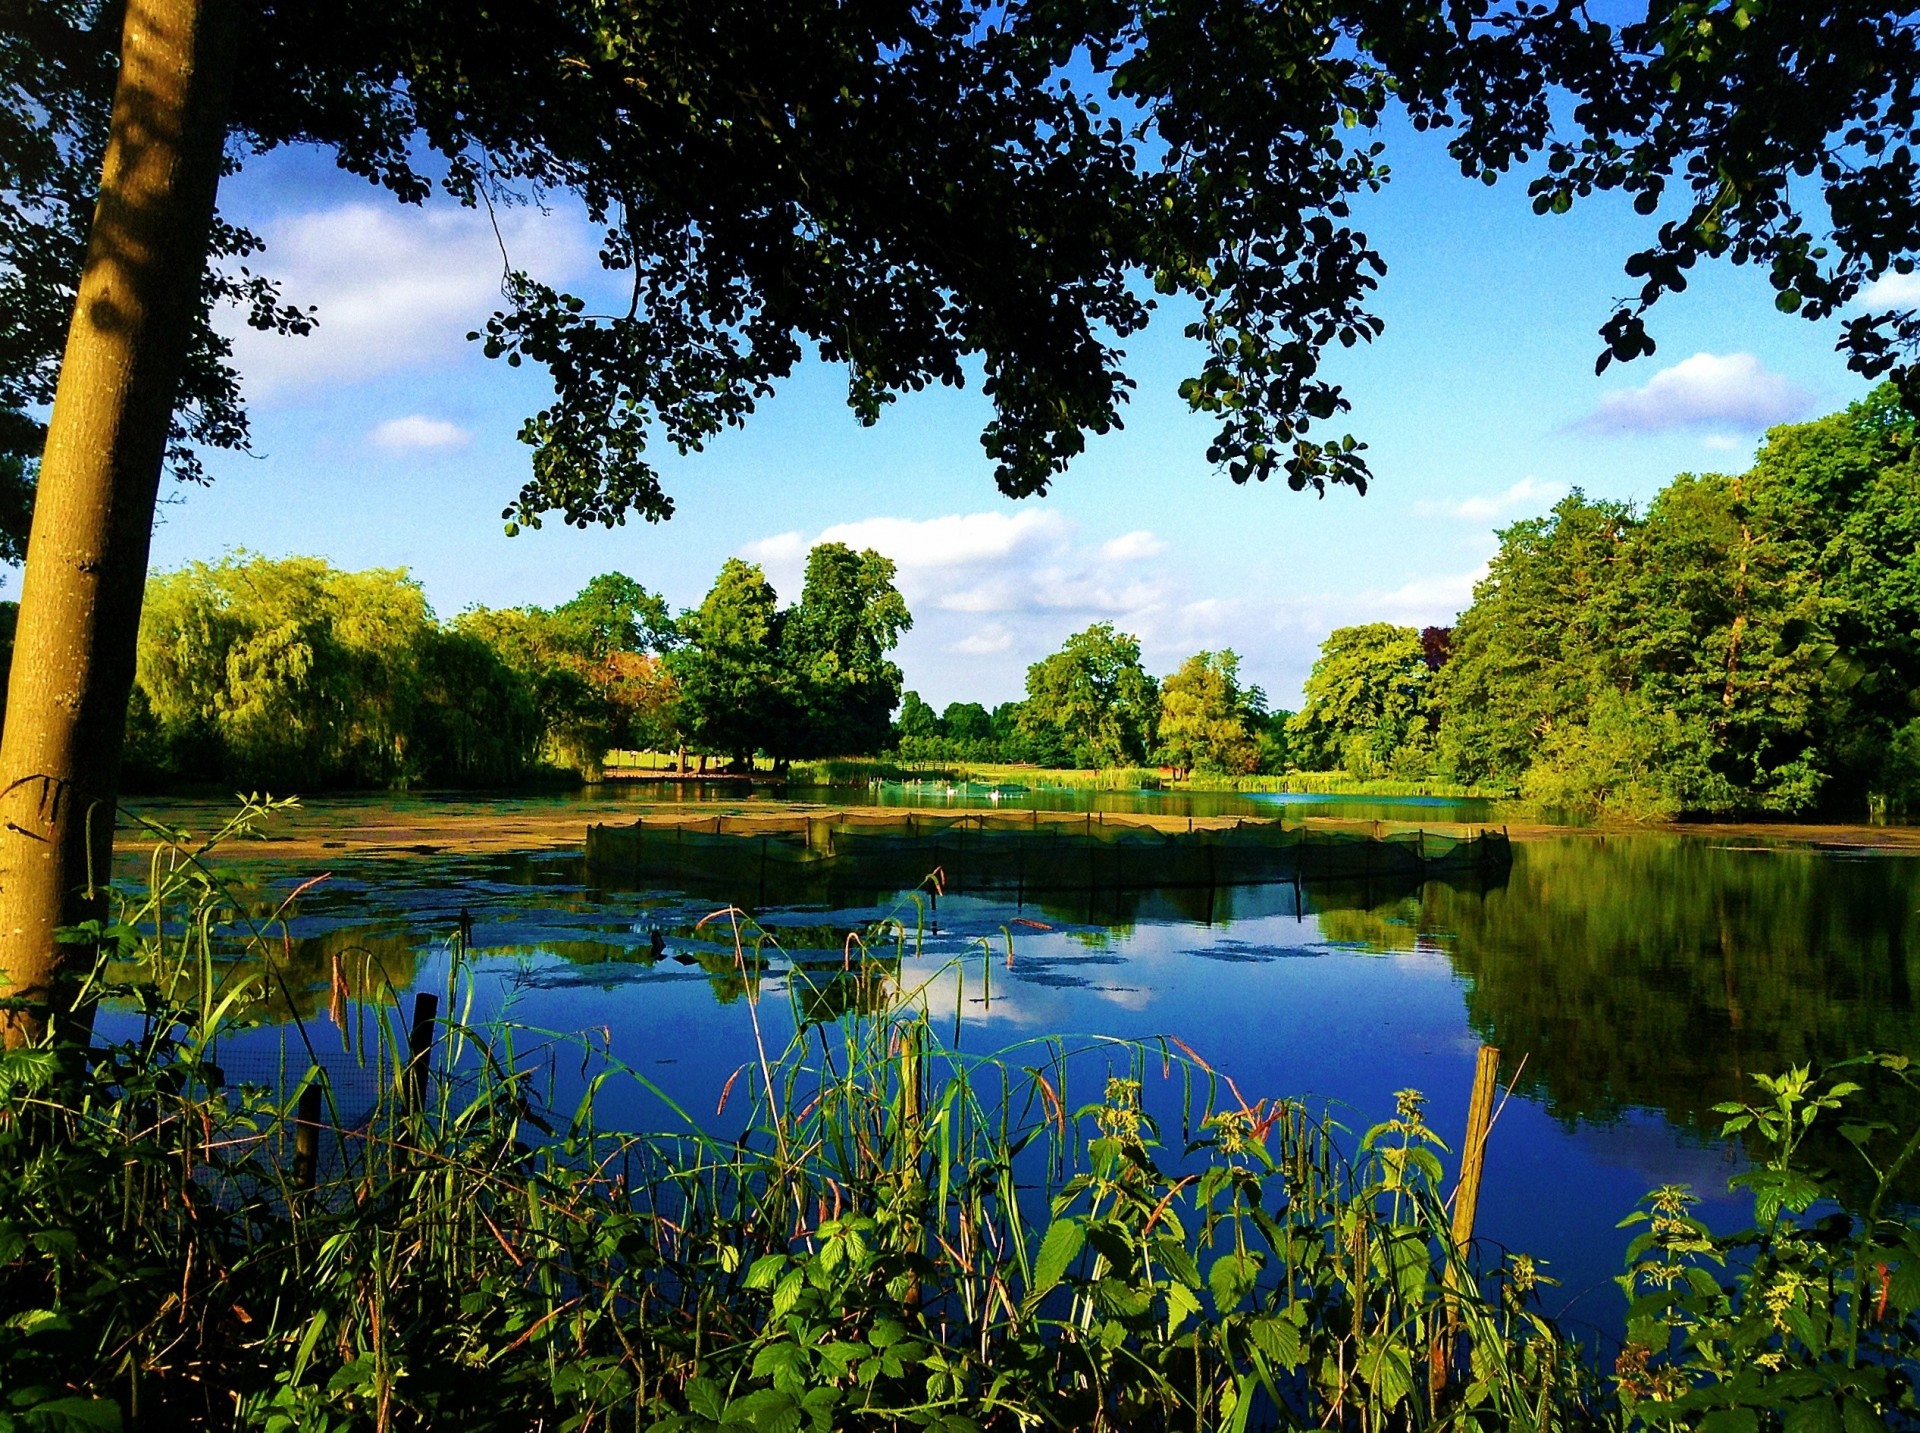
point(1392, 925)
point(1663, 973)
point(825, 993)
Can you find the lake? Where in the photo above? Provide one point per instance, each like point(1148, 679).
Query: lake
point(1632, 980)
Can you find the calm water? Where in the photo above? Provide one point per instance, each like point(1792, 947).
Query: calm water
point(1643, 978)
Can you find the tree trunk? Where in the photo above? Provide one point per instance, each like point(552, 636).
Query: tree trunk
point(86, 566)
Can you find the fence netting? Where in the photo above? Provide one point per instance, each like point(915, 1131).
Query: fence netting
point(1023, 852)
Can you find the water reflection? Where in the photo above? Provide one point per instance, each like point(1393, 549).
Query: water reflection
point(1644, 978)
point(1655, 973)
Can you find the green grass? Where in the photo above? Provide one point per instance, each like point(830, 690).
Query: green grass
point(875, 1231)
point(863, 770)
point(1339, 783)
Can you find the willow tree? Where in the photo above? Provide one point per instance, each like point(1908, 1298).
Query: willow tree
point(921, 191)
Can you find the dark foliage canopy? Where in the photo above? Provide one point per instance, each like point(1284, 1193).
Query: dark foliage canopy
point(917, 190)
point(1770, 134)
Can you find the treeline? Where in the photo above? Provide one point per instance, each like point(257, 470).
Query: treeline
point(1093, 704)
point(1747, 643)
point(289, 673)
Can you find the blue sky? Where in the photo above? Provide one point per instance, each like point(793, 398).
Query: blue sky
point(386, 439)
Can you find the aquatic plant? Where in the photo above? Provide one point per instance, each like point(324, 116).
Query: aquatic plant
point(897, 1234)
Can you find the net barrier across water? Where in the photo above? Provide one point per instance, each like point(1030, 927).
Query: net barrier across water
point(1023, 852)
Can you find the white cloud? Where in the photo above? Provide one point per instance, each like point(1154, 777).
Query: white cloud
point(416, 431)
point(1708, 390)
point(395, 287)
point(1133, 547)
point(1890, 291)
point(1529, 492)
point(986, 642)
point(993, 592)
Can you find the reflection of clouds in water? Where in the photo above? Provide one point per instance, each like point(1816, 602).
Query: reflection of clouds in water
point(1036, 994)
point(1657, 1153)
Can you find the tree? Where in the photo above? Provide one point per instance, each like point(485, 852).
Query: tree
point(611, 614)
point(1091, 703)
point(835, 643)
point(1746, 644)
point(1539, 639)
point(1366, 707)
point(734, 686)
point(595, 684)
point(287, 672)
point(1203, 717)
point(968, 723)
point(918, 722)
point(901, 187)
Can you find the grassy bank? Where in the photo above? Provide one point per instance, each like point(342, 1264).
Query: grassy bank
point(874, 1231)
point(1339, 783)
point(861, 770)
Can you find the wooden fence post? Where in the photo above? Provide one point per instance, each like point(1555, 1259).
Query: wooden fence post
point(306, 1136)
point(1466, 1205)
point(420, 1048)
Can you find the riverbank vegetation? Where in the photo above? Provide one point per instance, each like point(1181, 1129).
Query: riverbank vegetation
point(1092, 706)
point(292, 674)
point(873, 1231)
point(1745, 644)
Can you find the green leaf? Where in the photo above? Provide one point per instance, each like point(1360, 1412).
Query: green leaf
point(1388, 1371)
point(1058, 1250)
point(764, 1271)
point(1859, 1417)
point(1731, 1420)
point(1815, 1415)
point(1232, 1278)
point(766, 1411)
point(76, 1413)
point(1182, 1304)
point(705, 1398)
point(1278, 1341)
point(780, 1360)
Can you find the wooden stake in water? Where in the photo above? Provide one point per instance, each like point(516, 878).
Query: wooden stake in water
point(306, 1137)
point(1466, 1205)
point(1473, 1154)
point(426, 1007)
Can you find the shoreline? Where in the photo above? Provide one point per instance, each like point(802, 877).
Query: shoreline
point(357, 828)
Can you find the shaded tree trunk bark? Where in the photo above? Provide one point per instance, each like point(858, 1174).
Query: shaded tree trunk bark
point(86, 568)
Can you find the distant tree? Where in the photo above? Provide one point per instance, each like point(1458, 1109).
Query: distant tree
point(735, 687)
point(1203, 717)
point(1010, 741)
point(1436, 645)
point(289, 672)
point(591, 666)
point(918, 721)
point(1366, 707)
point(642, 691)
point(1091, 704)
point(968, 724)
point(1539, 641)
point(613, 613)
point(835, 644)
point(479, 722)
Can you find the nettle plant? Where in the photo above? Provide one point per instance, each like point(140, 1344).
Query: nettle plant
point(1810, 1320)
